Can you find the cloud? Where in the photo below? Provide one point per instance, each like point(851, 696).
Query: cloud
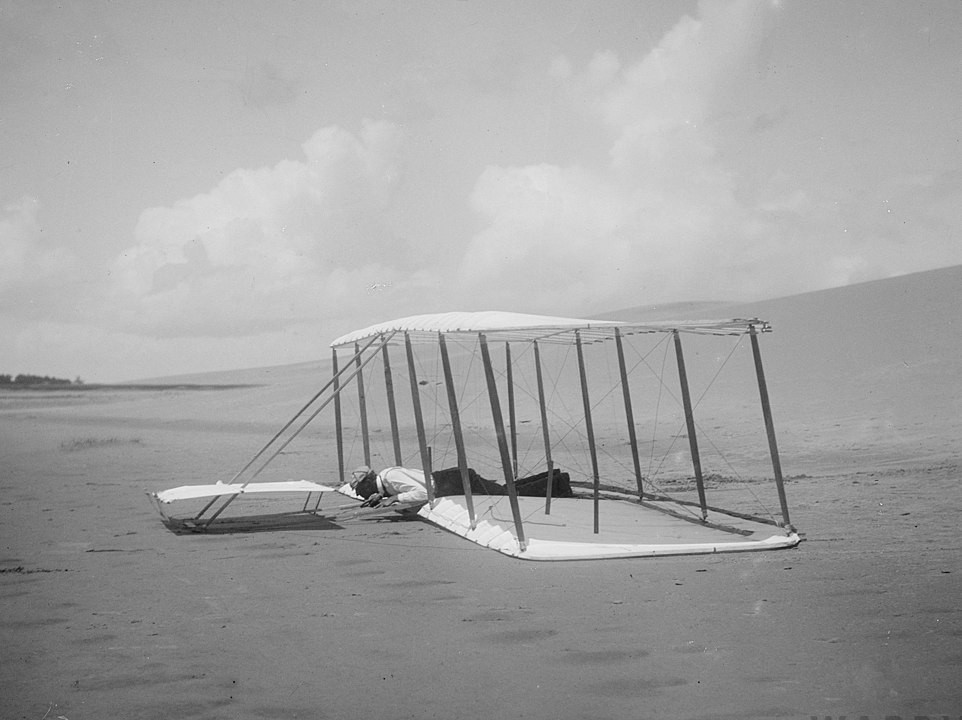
point(264, 85)
point(19, 238)
point(665, 218)
point(31, 269)
point(269, 247)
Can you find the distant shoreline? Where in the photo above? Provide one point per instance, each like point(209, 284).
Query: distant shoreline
point(94, 387)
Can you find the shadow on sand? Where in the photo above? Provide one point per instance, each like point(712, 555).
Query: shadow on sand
point(253, 524)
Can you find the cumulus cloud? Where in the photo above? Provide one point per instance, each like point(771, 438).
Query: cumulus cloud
point(29, 265)
point(664, 218)
point(19, 234)
point(269, 247)
point(264, 85)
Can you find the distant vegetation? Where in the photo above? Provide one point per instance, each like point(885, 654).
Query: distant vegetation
point(22, 380)
point(45, 383)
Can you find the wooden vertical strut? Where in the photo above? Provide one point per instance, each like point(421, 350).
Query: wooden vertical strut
point(338, 418)
point(391, 405)
point(589, 430)
point(362, 407)
point(690, 423)
point(629, 413)
point(456, 429)
point(544, 427)
point(512, 415)
point(280, 449)
point(769, 426)
point(498, 419)
point(338, 428)
point(419, 419)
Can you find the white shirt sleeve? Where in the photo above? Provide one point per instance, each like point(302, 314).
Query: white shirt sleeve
point(406, 484)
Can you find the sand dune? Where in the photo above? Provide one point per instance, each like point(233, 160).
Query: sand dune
point(860, 376)
point(108, 614)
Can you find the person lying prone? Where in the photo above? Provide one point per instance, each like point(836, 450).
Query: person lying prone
point(390, 486)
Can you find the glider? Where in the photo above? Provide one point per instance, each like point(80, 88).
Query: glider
point(555, 411)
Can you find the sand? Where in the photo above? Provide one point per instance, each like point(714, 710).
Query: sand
point(106, 613)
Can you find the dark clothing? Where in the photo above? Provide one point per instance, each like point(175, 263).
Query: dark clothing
point(448, 482)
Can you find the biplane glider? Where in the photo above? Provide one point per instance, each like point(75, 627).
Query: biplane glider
point(525, 430)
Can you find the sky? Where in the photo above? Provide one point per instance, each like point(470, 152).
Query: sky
point(191, 186)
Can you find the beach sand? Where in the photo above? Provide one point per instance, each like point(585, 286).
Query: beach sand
point(107, 613)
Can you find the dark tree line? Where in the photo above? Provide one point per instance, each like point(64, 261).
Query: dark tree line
point(23, 379)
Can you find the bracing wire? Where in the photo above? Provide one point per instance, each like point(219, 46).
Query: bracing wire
point(567, 435)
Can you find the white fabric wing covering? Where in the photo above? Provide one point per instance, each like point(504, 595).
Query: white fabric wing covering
point(190, 492)
point(506, 326)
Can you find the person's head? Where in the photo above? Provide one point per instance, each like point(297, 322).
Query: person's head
point(364, 482)
point(367, 487)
